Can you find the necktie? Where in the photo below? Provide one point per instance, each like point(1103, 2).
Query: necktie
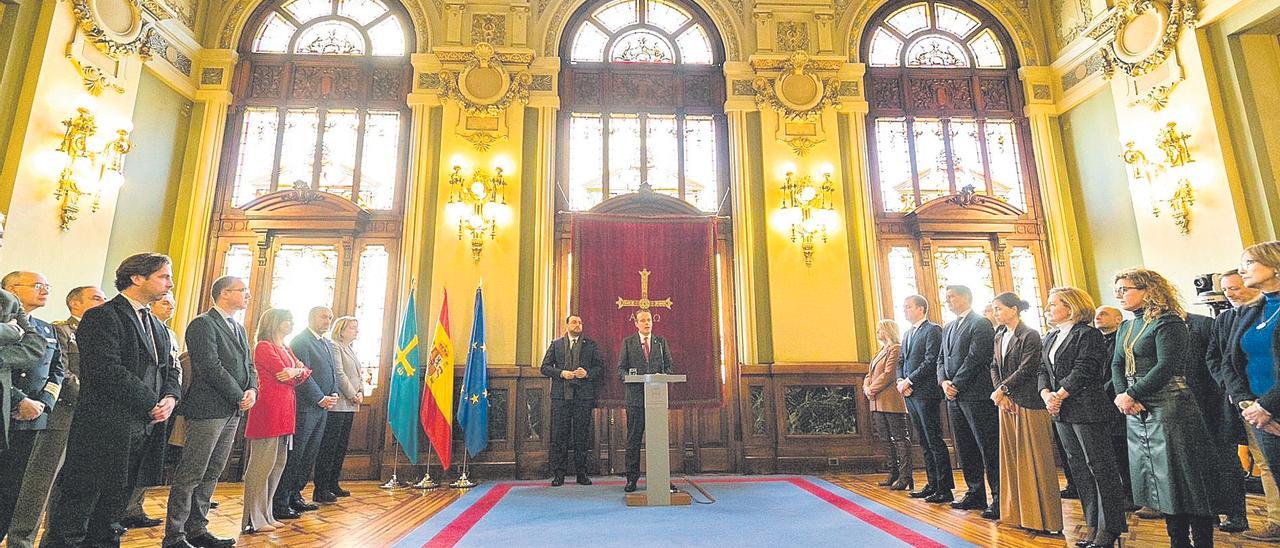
point(646, 348)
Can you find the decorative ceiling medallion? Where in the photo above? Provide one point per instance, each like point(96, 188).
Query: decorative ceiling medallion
point(798, 93)
point(1146, 34)
point(114, 26)
point(484, 86)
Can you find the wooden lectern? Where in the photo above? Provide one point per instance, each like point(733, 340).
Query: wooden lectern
point(657, 443)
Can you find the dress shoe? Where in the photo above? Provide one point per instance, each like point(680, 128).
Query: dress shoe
point(207, 540)
point(1271, 532)
point(939, 497)
point(286, 513)
point(261, 529)
point(923, 493)
point(1148, 513)
point(583, 479)
point(631, 486)
point(903, 484)
point(992, 512)
point(970, 502)
point(117, 529)
point(340, 492)
point(888, 481)
point(300, 506)
point(324, 497)
point(139, 522)
point(182, 543)
point(1083, 543)
point(557, 480)
point(1235, 524)
point(1070, 492)
point(213, 504)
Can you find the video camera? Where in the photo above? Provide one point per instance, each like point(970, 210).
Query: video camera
point(1209, 293)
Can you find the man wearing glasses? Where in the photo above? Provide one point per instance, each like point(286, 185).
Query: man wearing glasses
point(33, 394)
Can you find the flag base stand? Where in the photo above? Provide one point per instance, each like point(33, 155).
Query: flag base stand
point(393, 483)
point(463, 482)
point(426, 483)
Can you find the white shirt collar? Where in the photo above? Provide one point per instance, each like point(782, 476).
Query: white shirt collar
point(135, 304)
point(313, 332)
point(1066, 326)
point(225, 315)
point(921, 322)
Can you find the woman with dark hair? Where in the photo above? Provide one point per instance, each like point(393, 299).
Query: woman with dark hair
point(1072, 380)
point(1029, 485)
point(1170, 459)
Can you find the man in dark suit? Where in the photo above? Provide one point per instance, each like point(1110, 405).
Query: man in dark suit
point(641, 354)
point(314, 398)
point(918, 383)
point(1107, 320)
point(51, 443)
point(573, 363)
point(33, 395)
point(128, 384)
point(223, 386)
point(964, 372)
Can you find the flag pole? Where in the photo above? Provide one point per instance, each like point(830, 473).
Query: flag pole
point(426, 482)
point(393, 482)
point(463, 482)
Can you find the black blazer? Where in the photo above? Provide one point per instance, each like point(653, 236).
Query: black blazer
point(123, 374)
point(632, 357)
point(318, 354)
point(1019, 368)
point(1216, 354)
point(918, 360)
point(557, 359)
point(966, 356)
point(1082, 367)
point(1248, 317)
point(221, 368)
point(1197, 370)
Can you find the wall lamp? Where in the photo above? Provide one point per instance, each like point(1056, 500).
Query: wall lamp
point(808, 210)
point(89, 169)
point(478, 203)
point(1168, 179)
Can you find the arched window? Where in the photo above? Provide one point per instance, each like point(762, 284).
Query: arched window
point(642, 98)
point(309, 205)
point(952, 176)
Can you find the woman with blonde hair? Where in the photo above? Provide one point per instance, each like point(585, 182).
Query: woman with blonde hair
point(1073, 377)
point(888, 409)
point(269, 430)
point(1255, 350)
point(1174, 469)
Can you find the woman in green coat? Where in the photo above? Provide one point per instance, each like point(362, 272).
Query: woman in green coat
point(1172, 468)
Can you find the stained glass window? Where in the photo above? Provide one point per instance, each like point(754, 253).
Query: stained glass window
point(274, 35)
point(657, 140)
point(1006, 166)
point(371, 298)
point(338, 152)
point(910, 19)
point(303, 277)
point(931, 159)
point(967, 266)
point(902, 282)
point(1027, 285)
point(298, 153)
point(936, 51)
point(379, 164)
point(332, 27)
point(306, 10)
point(966, 154)
point(331, 38)
point(387, 38)
point(362, 11)
point(987, 51)
point(955, 21)
point(256, 154)
point(894, 162)
point(885, 49)
point(238, 262)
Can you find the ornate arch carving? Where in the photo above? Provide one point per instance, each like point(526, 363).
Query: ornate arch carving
point(231, 26)
point(552, 20)
point(1011, 14)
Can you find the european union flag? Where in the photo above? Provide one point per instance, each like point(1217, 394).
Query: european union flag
point(406, 385)
point(473, 406)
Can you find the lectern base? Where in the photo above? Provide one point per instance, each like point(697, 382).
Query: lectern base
point(679, 498)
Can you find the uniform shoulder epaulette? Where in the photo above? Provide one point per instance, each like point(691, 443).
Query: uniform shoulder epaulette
point(57, 323)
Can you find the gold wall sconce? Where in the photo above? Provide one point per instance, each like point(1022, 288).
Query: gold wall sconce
point(1169, 178)
point(808, 210)
point(478, 203)
point(90, 169)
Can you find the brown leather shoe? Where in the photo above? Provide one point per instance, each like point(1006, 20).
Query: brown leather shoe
point(1269, 532)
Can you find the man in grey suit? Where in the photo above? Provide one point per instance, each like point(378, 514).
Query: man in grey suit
point(964, 372)
point(314, 397)
point(641, 354)
point(50, 447)
point(224, 385)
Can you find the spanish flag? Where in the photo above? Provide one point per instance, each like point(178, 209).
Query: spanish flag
point(406, 382)
point(437, 399)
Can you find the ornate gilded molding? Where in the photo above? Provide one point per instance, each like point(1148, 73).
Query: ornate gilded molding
point(798, 93)
point(802, 145)
point(1175, 15)
point(1157, 98)
point(114, 42)
point(95, 80)
point(482, 141)
point(484, 72)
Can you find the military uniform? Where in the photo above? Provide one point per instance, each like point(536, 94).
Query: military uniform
point(42, 383)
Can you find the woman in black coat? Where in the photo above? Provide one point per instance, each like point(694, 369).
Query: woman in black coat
point(1072, 382)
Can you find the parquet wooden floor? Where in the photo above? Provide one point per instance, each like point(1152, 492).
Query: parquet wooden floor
point(374, 517)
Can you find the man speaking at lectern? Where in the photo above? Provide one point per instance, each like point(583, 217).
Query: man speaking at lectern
point(642, 354)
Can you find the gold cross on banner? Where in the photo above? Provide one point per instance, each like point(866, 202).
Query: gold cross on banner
point(643, 302)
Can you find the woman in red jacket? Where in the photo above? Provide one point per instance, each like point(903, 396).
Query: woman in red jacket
point(269, 430)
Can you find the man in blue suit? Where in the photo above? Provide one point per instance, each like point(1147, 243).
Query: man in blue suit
point(314, 398)
point(964, 372)
point(33, 394)
point(917, 381)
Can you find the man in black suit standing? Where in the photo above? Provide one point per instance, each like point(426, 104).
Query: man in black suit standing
point(573, 363)
point(642, 354)
point(964, 372)
point(918, 383)
point(128, 384)
point(223, 386)
point(33, 395)
point(314, 398)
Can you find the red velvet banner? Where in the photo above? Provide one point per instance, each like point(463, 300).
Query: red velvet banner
point(678, 253)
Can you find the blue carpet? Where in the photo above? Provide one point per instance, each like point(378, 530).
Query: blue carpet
point(749, 511)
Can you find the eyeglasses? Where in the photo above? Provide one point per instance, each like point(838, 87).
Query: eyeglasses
point(36, 286)
point(1121, 290)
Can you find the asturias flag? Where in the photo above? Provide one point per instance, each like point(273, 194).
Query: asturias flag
point(402, 406)
point(437, 399)
point(473, 407)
